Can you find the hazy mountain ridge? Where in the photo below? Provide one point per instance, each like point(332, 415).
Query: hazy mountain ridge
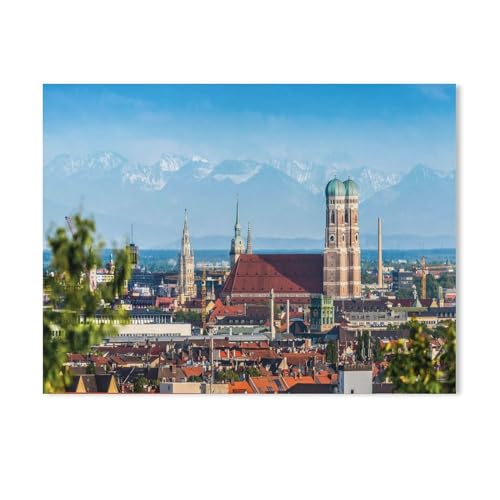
point(315, 175)
point(423, 202)
point(155, 176)
point(281, 198)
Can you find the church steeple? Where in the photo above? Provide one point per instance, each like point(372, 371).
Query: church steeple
point(237, 227)
point(186, 244)
point(185, 281)
point(237, 245)
point(249, 240)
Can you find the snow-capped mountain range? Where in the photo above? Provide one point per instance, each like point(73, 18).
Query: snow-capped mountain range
point(155, 176)
point(281, 197)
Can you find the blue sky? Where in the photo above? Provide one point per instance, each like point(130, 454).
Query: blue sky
point(390, 127)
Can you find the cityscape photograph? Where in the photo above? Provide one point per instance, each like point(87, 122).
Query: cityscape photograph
point(249, 239)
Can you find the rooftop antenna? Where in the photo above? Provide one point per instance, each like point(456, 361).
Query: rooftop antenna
point(131, 233)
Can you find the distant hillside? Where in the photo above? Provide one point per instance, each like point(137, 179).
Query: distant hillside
point(422, 204)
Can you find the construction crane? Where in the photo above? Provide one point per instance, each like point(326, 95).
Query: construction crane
point(204, 298)
point(69, 221)
point(423, 294)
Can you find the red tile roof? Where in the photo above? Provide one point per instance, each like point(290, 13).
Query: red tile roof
point(322, 379)
point(192, 371)
point(290, 381)
point(267, 385)
point(300, 359)
point(240, 387)
point(221, 309)
point(257, 354)
point(293, 273)
point(75, 357)
point(164, 301)
point(99, 360)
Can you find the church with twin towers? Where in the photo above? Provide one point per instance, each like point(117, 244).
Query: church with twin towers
point(293, 278)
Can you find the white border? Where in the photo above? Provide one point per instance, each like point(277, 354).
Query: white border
point(248, 447)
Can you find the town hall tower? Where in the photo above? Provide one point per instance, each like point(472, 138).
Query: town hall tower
point(186, 288)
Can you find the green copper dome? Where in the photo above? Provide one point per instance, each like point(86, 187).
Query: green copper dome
point(335, 188)
point(351, 188)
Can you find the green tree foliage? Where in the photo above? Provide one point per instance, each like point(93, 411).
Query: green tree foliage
point(331, 353)
point(227, 376)
point(252, 371)
point(412, 322)
point(431, 286)
point(192, 317)
point(377, 353)
point(448, 358)
point(368, 276)
point(412, 369)
point(405, 293)
point(140, 384)
point(71, 304)
point(90, 369)
point(362, 347)
point(448, 280)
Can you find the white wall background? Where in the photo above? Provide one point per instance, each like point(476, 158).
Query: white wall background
point(48, 441)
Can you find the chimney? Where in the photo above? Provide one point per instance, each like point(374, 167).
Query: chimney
point(287, 316)
point(380, 279)
point(271, 313)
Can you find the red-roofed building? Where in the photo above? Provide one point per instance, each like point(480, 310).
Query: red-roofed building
point(166, 303)
point(293, 277)
point(240, 387)
point(221, 310)
point(192, 371)
point(267, 385)
point(291, 381)
point(325, 379)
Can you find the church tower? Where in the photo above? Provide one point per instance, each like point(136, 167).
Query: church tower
point(352, 230)
point(185, 282)
point(237, 245)
point(341, 255)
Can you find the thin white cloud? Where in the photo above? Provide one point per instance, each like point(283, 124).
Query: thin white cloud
point(435, 91)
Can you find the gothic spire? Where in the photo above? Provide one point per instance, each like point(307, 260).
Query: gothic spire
point(185, 279)
point(237, 227)
point(186, 245)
